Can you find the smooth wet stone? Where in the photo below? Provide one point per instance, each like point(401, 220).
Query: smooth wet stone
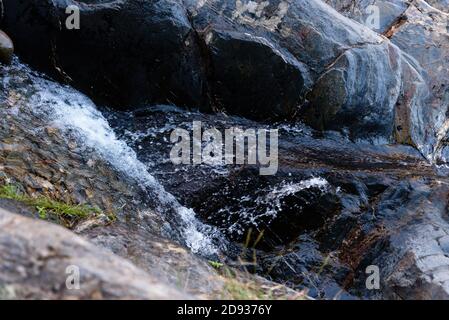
point(419, 30)
point(125, 54)
point(381, 205)
point(6, 48)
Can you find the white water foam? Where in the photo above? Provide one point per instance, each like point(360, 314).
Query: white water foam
point(75, 114)
point(272, 202)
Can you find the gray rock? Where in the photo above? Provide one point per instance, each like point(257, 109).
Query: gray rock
point(420, 31)
point(425, 37)
point(66, 169)
point(263, 60)
point(391, 209)
point(365, 12)
point(416, 265)
point(249, 76)
point(378, 205)
point(35, 262)
point(442, 5)
point(6, 48)
point(335, 61)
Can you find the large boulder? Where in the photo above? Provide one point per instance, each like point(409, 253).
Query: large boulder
point(420, 31)
point(351, 77)
point(333, 209)
point(54, 144)
point(125, 53)
point(63, 168)
point(37, 259)
point(264, 60)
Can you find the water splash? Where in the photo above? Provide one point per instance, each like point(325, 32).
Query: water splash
point(268, 204)
point(76, 116)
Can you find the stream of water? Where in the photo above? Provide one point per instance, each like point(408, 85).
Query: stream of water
point(78, 117)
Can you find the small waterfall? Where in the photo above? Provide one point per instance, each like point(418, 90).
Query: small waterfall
point(76, 116)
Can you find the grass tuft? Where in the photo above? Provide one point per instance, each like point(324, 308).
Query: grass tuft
point(243, 286)
point(216, 265)
point(48, 208)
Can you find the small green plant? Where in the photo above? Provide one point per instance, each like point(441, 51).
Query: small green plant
point(42, 212)
point(9, 191)
point(216, 265)
point(48, 208)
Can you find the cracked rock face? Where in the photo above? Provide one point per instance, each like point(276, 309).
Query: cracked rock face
point(37, 153)
point(419, 29)
point(269, 60)
point(341, 87)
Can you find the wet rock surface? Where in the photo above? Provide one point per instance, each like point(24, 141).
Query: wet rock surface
point(46, 157)
point(263, 60)
point(420, 31)
point(334, 208)
point(330, 58)
point(341, 200)
point(36, 154)
point(126, 52)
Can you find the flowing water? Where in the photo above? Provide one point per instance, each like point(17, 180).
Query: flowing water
point(326, 188)
point(78, 118)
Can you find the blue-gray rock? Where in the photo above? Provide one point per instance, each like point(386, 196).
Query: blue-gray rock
point(419, 29)
point(266, 60)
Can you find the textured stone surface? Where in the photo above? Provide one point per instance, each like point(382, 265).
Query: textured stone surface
point(442, 5)
point(420, 31)
point(44, 160)
point(35, 255)
point(265, 60)
point(383, 205)
point(377, 205)
point(341, 87)
point(126, 52)
point(39, 157)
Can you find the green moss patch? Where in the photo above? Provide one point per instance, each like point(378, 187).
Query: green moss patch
point(49, 209)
